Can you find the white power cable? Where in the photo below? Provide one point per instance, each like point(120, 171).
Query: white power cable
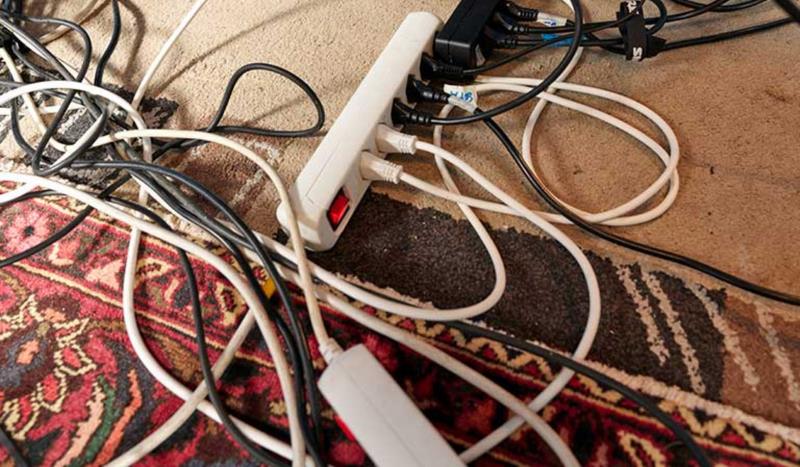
point(264, 324)
point(610, 217)
point(162, 53)
point(614, 216)
point(393, 140)
point(233, 276)
point(43, 110)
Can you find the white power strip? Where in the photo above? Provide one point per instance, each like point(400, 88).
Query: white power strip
point(386, 423)
point(330, 187)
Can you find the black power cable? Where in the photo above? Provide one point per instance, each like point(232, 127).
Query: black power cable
point(13, 451)
point(205, 363)
point(723, 36)
point(116, 31)
point(791, 8)
point(722, 8)
point(680, 433)
point(699, 266)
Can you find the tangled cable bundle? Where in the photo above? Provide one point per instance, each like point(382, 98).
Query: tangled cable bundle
point(166, 196)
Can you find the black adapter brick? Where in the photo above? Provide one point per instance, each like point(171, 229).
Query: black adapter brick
point(460, 41)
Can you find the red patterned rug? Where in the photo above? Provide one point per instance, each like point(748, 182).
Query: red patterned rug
point(72, 391)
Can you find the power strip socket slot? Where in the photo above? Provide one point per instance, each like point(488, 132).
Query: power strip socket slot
point(330, 187)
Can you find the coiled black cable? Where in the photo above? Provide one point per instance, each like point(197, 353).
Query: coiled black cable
point(215, 127)
point(294, 336)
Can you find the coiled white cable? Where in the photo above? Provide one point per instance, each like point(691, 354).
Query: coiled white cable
point(264, 324)
point(615, 216)
point(669, 174)
point(593, 318)
point(233, 276)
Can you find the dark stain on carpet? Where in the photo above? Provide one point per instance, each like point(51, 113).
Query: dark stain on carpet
point(426, 254)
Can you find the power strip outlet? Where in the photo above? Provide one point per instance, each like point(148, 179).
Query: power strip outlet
point(330, 187)
point(381, 417)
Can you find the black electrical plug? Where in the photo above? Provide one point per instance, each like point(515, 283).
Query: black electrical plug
point(431, 68)
point(404, 115)
point(499, 40)
point(419, 91)
point(509, 24)
point(521, 13)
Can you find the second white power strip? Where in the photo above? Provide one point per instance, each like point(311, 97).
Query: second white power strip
point(330, 187)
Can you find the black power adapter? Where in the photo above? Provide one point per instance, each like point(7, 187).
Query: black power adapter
point(462, 41)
